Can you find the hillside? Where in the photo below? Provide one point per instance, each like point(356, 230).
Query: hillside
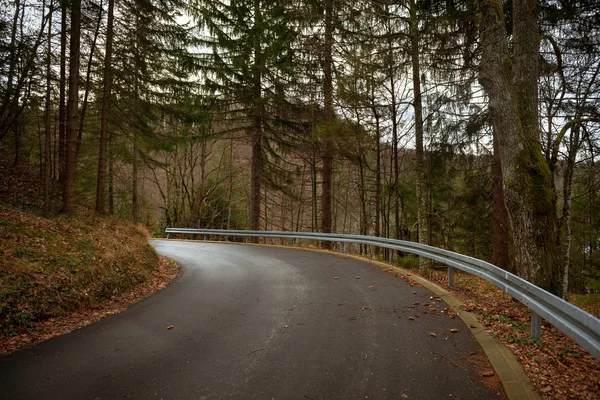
point(51, 268)
point(61, 272)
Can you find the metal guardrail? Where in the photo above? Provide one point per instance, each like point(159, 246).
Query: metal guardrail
point(577, 324)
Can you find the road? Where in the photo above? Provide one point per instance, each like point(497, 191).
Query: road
point(253, 322)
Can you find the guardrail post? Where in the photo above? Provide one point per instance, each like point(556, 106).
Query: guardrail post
point(536, 325)
point(450, 276)
point(167, 235)
point(294, 242)
point(204, 238)
point(391, 256)
point(341, 247)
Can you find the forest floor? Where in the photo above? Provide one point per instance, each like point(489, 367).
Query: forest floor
point(558, 367)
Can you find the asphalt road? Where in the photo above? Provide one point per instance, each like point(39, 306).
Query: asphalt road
point(254, 322)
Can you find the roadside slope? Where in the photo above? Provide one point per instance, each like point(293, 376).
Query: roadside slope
point(53, 267)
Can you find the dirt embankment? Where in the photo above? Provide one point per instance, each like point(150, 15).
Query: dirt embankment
point(58, 274)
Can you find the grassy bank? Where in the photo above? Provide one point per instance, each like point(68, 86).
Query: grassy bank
point(52, 266)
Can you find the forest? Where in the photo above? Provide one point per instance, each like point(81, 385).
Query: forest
point(471, 125)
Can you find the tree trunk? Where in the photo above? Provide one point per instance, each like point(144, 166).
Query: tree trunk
point(566, 213)
point(135, 213)
point(512, 90)
point(501, 232)
point(111, 172)
point(106, 96)
point(257, 134)
point(61, 100)
point(71, 134)
point(10, 110)
point(230, 184)
point(395, 163)
point(327, 155)
point(48, 144)
point(313, 187)
point(377, 181)
point(363, 201)
point(88, 79)
point(419, 152)
point(6, 105)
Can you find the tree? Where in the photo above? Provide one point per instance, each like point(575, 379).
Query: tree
point(251, 54)
point(418, 109)
point(328, 115)
point(512, 89)
point(151, 69)
point(106, 98)
point(72, 125)
point(48, 134)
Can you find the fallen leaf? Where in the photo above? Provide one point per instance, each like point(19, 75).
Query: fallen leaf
point(416, 303)
point(411, 318)
point(453, 330)
point(336, 277)
point(487, 374)
point(170, 327)
point(473, 326)
point(432, 334)
point(371, 287)
point(358, 277)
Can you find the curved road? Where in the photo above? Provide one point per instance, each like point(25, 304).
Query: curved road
point(253, 322)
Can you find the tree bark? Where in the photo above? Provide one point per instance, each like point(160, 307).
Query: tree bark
point(22, 63)
point(377, 181)
point(327, 154)
point(419, 152)
point(566, 212)
point(88, 80)
point(395, 163)
point(512, 90)
point(48, 142)
point(71, 134)
point(257, 133)
point(7, 103)
point(501, 232)
point(135, 208)
point(106, 97)
point(111, 172)
point(61, 100)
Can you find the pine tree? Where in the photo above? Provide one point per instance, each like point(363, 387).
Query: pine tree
point(251, 52)
point(151, 75)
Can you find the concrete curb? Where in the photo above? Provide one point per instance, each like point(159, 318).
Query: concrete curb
point(509, 371)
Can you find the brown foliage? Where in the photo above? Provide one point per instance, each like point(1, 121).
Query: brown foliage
point(63, 269)
point(558, 367)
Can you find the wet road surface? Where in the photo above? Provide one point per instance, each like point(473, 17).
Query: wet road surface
point(252, 322)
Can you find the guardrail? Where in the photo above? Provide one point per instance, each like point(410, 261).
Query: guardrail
point(577, 324)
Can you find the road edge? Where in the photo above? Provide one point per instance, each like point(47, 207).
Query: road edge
point(509, 371)
point(516, 383)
